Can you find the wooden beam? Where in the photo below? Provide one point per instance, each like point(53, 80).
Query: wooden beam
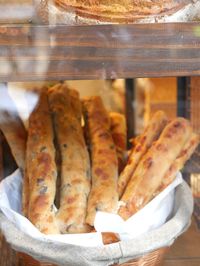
point(30, 53)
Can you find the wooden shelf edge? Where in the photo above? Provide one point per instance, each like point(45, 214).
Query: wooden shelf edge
point(29, 53)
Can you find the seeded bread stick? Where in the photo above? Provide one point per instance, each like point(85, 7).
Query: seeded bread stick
point(153, 166)
point(41, 168)
point(119, 135)
point(75, 164)
point(103, 195)
point(178, 164)
point(152, 132)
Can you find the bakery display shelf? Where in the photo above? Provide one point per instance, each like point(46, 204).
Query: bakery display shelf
point(32, 53)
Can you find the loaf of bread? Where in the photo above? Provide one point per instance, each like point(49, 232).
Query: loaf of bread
point(119, 135)
point(75, 163)
point(120, 10)
point(143, 143)
point(103, 195)
point(41, 168)
point(153, 166)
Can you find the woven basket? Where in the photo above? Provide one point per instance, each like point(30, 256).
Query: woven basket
point(153, 258)
point(131, 249)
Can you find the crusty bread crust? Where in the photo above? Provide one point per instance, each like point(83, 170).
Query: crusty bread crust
point(41, 168)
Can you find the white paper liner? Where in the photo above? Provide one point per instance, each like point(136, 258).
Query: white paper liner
point(152, 216)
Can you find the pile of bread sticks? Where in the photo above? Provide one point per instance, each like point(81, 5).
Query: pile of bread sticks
point(76, 163)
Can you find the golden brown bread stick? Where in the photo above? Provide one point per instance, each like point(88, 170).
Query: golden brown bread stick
point(178, 164)
point(119, 135)
point(152, 132)
point(103, 195)
point(75, 164)
point(153, 166)
point(41, 168)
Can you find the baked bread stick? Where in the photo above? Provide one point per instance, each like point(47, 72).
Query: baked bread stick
point(41, 168)
point(119, 135)
point(153, 166)
point(144, 142)
point(75, 164)
point(178, 164)
point(103, 195)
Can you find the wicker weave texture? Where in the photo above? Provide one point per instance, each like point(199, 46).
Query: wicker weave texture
point(154, 258)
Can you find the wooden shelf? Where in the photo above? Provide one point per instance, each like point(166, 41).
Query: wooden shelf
point(31, 53)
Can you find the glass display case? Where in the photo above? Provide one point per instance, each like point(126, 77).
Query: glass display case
point(139, 62)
